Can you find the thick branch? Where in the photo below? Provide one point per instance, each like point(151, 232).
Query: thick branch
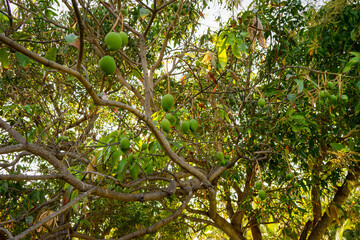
point(255, 229)
point(341, 195)
point(29, 177)
point(81, 30)
point(238, 216)
point(148, 83)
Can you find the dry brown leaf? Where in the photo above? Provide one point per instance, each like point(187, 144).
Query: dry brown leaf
point(51, 223)
point(91, 167)
point(212, 77)
point(76, 43)
point(256, 31)
point(209, 57)
point(312, 98)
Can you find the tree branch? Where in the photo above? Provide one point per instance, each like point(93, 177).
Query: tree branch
point(10, 149)
point(161, 223)
point(29, 177)
point(6, 232)
point(97, 100)
point(341, 195)
point(81, 30)
point(33, 210)
point(82, 236)
point(58, 212)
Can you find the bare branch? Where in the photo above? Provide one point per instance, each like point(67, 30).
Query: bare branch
point(6, 232)
point(341, 195)
point(29, 177)
point(81, 30)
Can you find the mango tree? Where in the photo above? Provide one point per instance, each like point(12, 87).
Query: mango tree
point(119, 117)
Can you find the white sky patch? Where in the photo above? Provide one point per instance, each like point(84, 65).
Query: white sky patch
point(215, 15)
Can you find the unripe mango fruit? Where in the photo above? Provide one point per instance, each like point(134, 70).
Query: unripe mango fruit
point(124, 143)
point(113, 41)
point(107, 65)
point(324, 94)
point(165, 125)
point(262, 194)
point(220, 156)
point(185, 126)
point(261, 102)
point(258, 185)
point(193, 125)
point(167, 102)
point(333, 99)
point(124, 38)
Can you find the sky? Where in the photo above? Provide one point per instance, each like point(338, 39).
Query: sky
point(214, 11)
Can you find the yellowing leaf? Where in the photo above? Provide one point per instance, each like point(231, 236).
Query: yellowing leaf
point(4, 58)
point(209, 57)
point(222, 57)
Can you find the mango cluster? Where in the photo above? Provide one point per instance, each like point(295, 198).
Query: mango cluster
point(114, 41)
point(333, 98)
point(167, 103)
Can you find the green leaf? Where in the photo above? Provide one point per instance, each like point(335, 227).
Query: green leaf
point(144, 12)
point(291, 97)
point(300, 84)
point(134, 171)
point(149, 169)
point(242, 47)
point(314, 83)
point(86, 222)
point(51, 54)
point(136, 73)
point(122, 165)
point(71, 38)
point(236, 50)
point(23, 60)
point(74, 194)
point(27, 108)
point(339, 147)
point(298, 117)
point(222, 56)
point(76, 207)
point(4, 59)
point(3, 17)
point(177, 145)
point(29, 219)
point(116, 154)
point(231, 39)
